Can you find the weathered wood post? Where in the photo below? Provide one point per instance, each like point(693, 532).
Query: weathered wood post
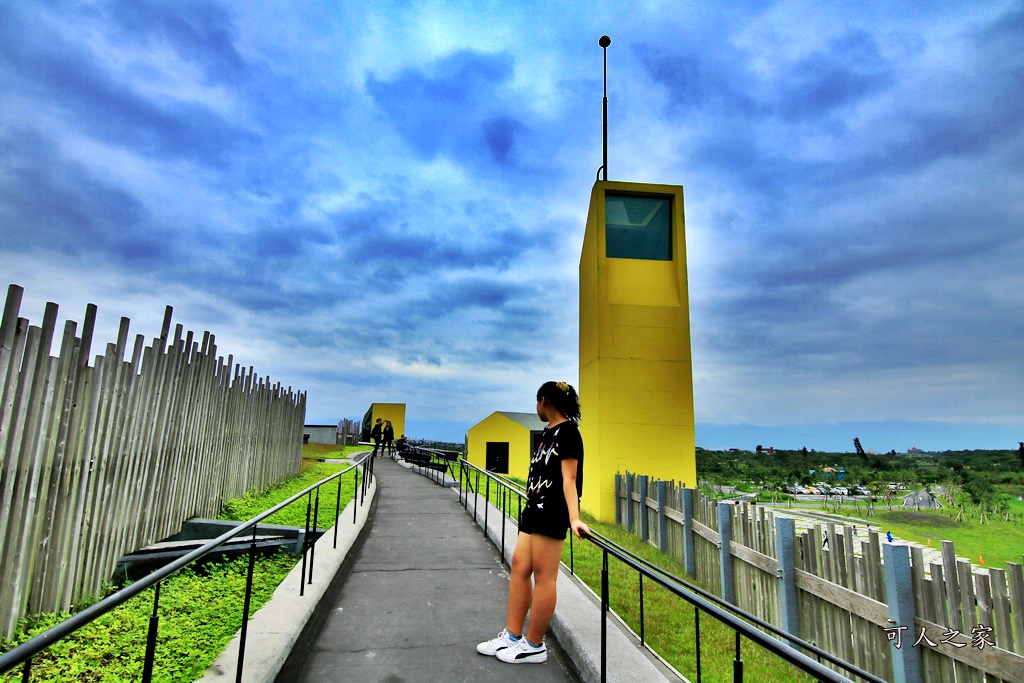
point(688, 558)
point(644, 522)
point(725, 551)
point(98, 460)
point(785, 553)
point(662, 518)
point(629, 502)
point(899, 592)
point(618, 506)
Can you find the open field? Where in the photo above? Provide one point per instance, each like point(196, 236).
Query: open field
point(1013, 494)
point(992, 544)
point(996, 542)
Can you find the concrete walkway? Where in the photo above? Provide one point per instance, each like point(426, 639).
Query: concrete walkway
point(424, 589)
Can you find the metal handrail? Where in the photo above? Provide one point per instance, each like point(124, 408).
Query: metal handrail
point(711, 597)
point(29, 649)
point(447, 458)
point(714, 606)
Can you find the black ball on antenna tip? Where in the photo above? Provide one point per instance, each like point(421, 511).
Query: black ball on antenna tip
point(605, 41)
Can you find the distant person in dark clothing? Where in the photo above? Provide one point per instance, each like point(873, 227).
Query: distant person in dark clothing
point(389, 438)
point(376, 435)
point(888, 536)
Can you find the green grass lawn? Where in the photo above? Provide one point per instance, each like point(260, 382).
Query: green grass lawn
point(314, 452)
point(997, 542)
point(1012, 493)
point(255, 502)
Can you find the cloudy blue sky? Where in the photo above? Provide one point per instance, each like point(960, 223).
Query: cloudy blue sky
point(385, 201)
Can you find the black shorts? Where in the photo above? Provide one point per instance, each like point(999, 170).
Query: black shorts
point(534, 521)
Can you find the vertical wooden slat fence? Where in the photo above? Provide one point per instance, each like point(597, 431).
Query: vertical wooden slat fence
point(842, 590)
point(96, 461)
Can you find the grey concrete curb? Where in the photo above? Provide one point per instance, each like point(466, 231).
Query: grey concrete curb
point(577, 620)
point(275, 628)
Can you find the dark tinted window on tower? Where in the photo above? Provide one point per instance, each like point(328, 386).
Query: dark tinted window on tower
point(638, 227)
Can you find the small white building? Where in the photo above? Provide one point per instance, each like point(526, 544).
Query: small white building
point(326, 434)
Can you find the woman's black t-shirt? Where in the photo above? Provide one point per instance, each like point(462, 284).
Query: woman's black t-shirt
point(544, 485)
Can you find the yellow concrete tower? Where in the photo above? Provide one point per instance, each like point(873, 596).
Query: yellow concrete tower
point(636, 375)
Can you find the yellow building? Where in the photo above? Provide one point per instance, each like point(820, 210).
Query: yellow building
point(504, 442)
point(385, 411)
point(636, 377)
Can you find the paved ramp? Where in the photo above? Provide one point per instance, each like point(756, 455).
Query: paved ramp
point(424, 589)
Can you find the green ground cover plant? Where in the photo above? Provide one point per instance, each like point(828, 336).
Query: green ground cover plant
point(200, 611)
point(256, 501)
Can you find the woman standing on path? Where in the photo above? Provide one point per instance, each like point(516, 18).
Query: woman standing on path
point(389, 438)
point(554, 487)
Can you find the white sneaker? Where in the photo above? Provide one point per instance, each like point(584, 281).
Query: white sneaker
point(521, 652)
point(495, 645)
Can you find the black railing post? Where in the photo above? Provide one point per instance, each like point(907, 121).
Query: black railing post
point(696, 637)
point(337, 514)
point(462, 472)
point(641, 607)
point(487, 503)
point(312, 536)
point(503, 496)
point(367, 463)
point(26, 673)
point(355, 493)
point(572, 559)
point(476, 498)
point(305, 544)
point(245, 605)
point(737, 664)
point(605, 598)
point(154, 624)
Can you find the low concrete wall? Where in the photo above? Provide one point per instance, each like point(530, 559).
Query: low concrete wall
point(276, 627)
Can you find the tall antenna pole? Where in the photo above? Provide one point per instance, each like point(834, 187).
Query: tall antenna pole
point(604, 42)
